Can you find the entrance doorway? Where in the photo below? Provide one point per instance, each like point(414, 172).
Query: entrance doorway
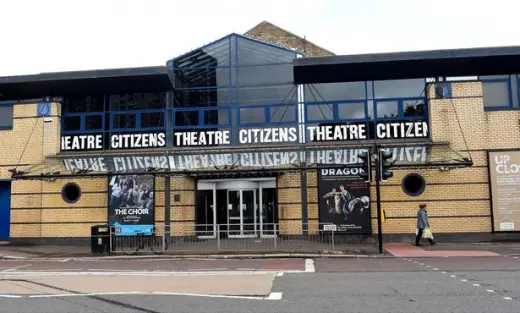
point(236, 208)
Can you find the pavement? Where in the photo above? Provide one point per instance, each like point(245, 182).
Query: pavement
point(397, 284)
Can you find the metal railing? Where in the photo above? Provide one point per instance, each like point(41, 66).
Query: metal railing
point(285, 237)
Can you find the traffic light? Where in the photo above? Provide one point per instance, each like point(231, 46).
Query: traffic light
point(385, 164)
point(366, 173)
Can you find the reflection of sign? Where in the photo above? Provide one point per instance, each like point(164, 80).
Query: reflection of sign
point(268, 159)
point(83, 142)
point(344, 201)
point(504, 169)
point(412, 155)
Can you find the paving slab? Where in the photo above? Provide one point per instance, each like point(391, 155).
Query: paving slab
point(411, 251)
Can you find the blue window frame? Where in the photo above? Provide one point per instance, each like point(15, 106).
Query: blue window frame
point(132, 120)
point(73, 123)
point(261, 115)
point(400, 109)
point(210, 117)
point(497, 92)
point(341, 111)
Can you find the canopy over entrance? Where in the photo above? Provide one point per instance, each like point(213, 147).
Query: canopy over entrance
point(215, 163)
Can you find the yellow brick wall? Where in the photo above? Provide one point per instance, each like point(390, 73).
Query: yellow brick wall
point(289, 203)
point(182, 213)
point(30, 140)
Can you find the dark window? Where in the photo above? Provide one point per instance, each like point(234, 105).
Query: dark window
point(93, 122)
point(201, 98)
point(71, 193)
point(413, 184)
point(216, 117)
point(6, 116)
point(402, 88)
point(138, 101)
point(496, 94)
point(335, 91)
point(252, 115)
point(320, 112)
point(413, 108)
point(84, 104)
point(124, 121)
point(71, 123)
point(387, 109)
point(186, 118)
point(282, 114)
point(443, 90)
point(152, 120)
point(351, 110)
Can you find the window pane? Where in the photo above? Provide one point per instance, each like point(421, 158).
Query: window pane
point(201, 98)
point(413, 108)
point(213, 55)
point(186, 118)
point(138, 101)
point(335, 91)
point(286, 113)
point(320, 112)
point(84, 104)
point(401, 88)
point(93, 122)
point(496, 94)
point(387, 109)
point(252, 52)
point(6, 116)
point(351, 110)
point(124, 121)
point(252, 115)
point(216, 117)
point(202, 77)
point(265, 75)
point(281, 94)
point(71, 123)
point(152, 120)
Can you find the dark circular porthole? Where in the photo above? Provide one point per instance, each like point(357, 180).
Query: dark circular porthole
point(71, 193)
point(413, 184)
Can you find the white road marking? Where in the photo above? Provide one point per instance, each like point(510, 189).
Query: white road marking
point(309, 266)
point(421, 263)
point(515, 257)
point(476, 285)
point(508, 298)
point(453, 276)
point(428, 266)
point(489, 290)
point(10, 296)
point(279, 274)
point(435, 269)
point(444, 272)
point(274, 296)
point(16, 268)
point(64, 260)
point(464, 280)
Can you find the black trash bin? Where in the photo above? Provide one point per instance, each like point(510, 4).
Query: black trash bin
point(99, 239)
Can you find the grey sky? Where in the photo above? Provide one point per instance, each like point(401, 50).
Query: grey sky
point(63, 35)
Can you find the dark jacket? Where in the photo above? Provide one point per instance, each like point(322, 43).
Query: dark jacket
point(422, 219)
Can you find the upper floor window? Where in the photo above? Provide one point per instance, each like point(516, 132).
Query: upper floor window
point(500, 91)
point(6, 115)
point(401, 88)
point(84, 104)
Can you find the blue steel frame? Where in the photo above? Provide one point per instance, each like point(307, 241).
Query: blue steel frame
point(233, 85)
point(7, 104)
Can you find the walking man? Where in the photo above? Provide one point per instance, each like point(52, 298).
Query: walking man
point(422, 224)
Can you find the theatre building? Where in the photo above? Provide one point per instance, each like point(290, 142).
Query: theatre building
point(259, 135)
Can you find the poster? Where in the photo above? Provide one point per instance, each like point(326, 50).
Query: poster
point(504, 172)
point(131, 204)
point(344, 201)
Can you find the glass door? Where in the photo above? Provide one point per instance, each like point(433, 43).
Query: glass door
point(268, 212)
point(241, 213)
point(234, 213)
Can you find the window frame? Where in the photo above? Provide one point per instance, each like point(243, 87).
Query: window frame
point(335, 111)
point(509, 106)
point(267, 115)
point(400, 107)
point(11, 105)
point(200, 110)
